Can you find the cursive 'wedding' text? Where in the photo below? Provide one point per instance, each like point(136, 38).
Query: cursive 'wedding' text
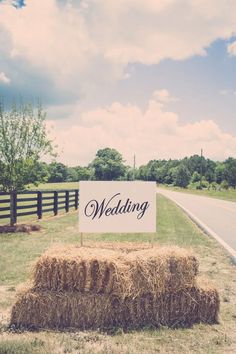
point(114, 206)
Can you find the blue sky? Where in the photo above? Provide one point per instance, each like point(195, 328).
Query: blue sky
point(152, 78)
point(205, 85)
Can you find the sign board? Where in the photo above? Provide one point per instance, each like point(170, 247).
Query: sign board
point(117, 207)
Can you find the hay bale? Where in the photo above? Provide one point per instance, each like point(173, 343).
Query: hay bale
point(89, 270)
point(52, 310)
point(167, 268)
point(78, 269)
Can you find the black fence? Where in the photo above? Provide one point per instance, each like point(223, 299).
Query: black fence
point(37, 203)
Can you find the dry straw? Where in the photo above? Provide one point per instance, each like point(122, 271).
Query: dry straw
point(91, 288)
point(58, 310)
point(100, 271)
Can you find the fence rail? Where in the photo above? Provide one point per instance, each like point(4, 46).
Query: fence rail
point(20, 204)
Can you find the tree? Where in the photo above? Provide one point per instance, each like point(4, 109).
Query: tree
point(196, 163)
point(230, 165)
point(23, 140)
point(220, 172)
point(142, 173)
point(196, 177)
point(210, 170)
point(39, 173)
point(182, 176)
point(58, 172)
point(170, 176)
point(72, 175)
point(152, 170)
point(83, 173)
point(108, 165)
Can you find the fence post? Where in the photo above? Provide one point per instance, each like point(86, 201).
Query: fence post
point(39, 205)
point(67, 201)
point(55, 206)
point(13, 207)
point(76, 199)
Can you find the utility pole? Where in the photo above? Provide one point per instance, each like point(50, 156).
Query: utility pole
point(134, 167)
point(201, 169)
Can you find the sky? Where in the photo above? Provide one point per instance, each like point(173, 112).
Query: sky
point(152, 78)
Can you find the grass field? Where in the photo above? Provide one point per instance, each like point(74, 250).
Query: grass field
point(19, 251)
point(55, 186)
point(229, 194)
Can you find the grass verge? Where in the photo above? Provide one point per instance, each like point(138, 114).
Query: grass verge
point(19, 251)
point(229, 194)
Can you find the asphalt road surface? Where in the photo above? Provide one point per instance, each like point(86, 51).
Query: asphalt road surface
point(217, 217)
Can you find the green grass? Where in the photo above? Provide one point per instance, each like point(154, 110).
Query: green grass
point(19, 251)
point(23, 347)
point(229, 194)
point(55, 186)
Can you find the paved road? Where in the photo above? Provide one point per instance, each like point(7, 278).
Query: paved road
point(218, 217)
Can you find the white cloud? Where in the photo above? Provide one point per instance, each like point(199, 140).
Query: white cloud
point(4, 79)
point(86, 43)
point(227, 92)
point(48, 37)
point(152, 134)
point(224, 92)
point(164, 96)
point(232, 48)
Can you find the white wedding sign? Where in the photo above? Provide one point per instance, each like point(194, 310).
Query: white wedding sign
point(119, 207)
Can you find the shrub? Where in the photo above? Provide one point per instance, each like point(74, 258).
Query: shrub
point(224, 185)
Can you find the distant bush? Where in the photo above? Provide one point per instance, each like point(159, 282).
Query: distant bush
point(224, 185)
point(198, 185)
point(205, 183)
point(213, 186)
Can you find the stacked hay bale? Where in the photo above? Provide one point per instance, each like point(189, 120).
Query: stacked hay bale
point(89, 288)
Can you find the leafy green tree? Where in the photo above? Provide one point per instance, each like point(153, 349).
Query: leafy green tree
point(182, 176)
point(155, 171)
point(196, 177)
point(58, 172)
point(39, 173)
point(142, 173)
point(72, 175)
point(209, 173)
point(170, 176)
point(152, 170)
point(195, 163)
point(108, 165)
point(230, 165)
point(130, 174)
point(23, 141)
point(162, 174)
point(220, 172)
point(84, 173)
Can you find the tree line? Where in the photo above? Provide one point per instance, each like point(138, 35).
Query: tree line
point(195, 172)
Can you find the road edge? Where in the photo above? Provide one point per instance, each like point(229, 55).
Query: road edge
point(207, 230)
